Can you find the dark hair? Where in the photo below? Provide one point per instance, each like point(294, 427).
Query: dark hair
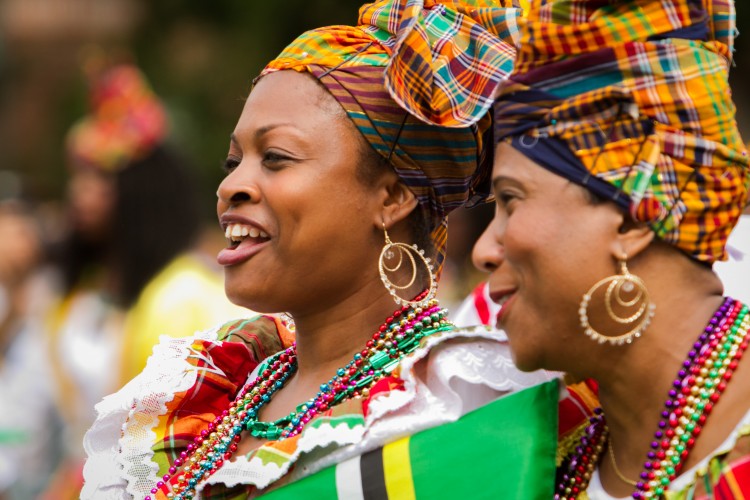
point(156, 217)
point(370, 167)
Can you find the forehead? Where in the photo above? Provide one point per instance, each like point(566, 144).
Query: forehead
point(510, 163)
point(289, 97)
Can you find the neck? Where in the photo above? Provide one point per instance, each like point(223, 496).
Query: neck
point(328, 339)
point(635, 380)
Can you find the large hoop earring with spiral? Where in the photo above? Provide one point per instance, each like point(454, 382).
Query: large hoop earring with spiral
point(401, 252)
point(619, 287)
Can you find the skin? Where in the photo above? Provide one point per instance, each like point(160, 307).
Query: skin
point(292, 168)
point(548, 244)
point(91, 196)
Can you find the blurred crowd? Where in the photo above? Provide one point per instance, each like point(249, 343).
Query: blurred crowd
point(81, 310)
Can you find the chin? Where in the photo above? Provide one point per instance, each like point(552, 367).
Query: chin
point(249, 299)
point(525, 358)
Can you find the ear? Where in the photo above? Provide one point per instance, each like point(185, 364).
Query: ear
point(397, 203)
point(632, 239)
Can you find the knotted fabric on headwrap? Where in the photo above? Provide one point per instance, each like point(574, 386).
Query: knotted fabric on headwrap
point(126, 122)
point(417, 77)
point(631, 100)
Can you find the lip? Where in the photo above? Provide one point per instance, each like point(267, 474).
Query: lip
point(247, 248)
point(504, 298)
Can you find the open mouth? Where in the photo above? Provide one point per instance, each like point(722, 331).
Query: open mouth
point(238, 233)
point(243, 242)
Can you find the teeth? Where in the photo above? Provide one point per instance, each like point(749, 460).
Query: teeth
point(237, 232)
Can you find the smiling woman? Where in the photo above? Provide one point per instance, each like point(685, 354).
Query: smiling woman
point(618, 176)
point(352, 148)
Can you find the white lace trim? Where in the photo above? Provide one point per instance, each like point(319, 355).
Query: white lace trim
point(120, 459)
point(475, 367)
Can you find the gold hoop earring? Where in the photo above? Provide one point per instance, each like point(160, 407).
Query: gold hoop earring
point(392, 250)
point(618, 286)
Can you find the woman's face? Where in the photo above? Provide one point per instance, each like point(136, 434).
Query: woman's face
point(92, 195)
point(545, 247)
point(291, 188)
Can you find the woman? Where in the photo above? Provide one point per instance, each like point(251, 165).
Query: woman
point(619, 175)
point(129, 261)
point(352, 148)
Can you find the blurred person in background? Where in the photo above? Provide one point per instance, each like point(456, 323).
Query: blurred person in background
point(28, 448)
point(130, 266)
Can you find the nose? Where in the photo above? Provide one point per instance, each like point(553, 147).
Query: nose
point(488, 253)
point(238, 187)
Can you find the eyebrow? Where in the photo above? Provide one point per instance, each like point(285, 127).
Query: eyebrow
point(502, 178)
point(262, 131)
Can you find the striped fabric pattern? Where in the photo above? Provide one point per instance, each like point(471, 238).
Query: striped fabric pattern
point(417, 77)
point(502, 450)
point(636, 92)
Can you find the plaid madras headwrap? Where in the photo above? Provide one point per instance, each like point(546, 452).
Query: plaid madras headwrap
point(630, 99)
point(417, 77)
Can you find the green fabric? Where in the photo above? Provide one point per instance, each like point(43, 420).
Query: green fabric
point(505, 449)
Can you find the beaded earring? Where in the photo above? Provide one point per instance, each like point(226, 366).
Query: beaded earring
point(402, 251)
point(620, 286)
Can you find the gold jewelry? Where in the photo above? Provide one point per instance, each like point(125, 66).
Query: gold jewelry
point(618, 286)
point(389, 253)
point(617, 470)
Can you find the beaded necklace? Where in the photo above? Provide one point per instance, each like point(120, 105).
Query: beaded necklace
point(700, 382)
point(397, 337)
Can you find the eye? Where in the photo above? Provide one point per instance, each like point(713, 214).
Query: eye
point(505, 198)
point(274, 160)
point(230, 164)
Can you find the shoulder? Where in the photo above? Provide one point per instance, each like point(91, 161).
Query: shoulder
point(192, 377)
point(449, 375)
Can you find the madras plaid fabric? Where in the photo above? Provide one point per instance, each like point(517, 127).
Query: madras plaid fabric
point(630, 99)
point(223, 368)
point(454, 459)
point(126, 122)
point(417, 78)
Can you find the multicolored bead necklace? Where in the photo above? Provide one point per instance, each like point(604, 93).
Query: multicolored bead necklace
point(700, 382)
point(398, 336)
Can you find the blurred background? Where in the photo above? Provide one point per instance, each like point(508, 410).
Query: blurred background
point(200, 58)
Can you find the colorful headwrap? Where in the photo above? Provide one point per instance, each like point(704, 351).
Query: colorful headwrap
point(630, 99)
point(417, 77)
point(126, 122)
